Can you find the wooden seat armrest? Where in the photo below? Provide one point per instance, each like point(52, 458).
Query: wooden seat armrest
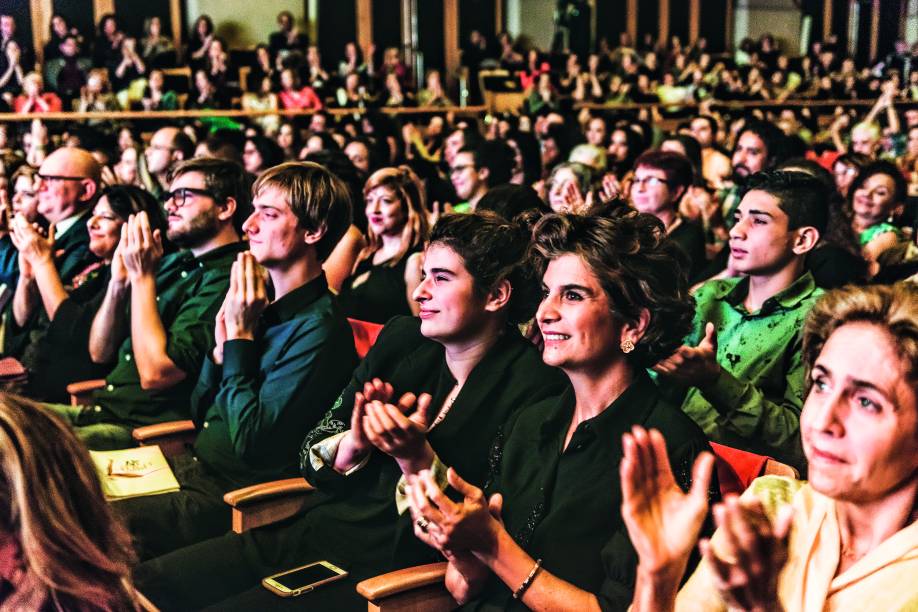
point(774, 467)
point(268, 502)
point(410, 578)
point(80, 391)
point(267, 490)
point(148, 433)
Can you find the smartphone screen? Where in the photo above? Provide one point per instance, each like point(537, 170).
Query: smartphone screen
point(305, 576)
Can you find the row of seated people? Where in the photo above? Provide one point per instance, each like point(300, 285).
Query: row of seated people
point(611, 276)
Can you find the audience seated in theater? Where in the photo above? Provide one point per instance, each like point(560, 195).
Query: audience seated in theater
point(568, 188)
point(844, 540)
point(66, 74)
point(440, 384)
point(168, 146)
point(716, 167)
point(876, 201)
point(277, 365)
point(259, 154)
point(68, 185)
point(615, 300)
point(660, 180)
point(388, 269)
point(62, 355)
point(14, 59)
point(294, 96)
point(837, 260)
point(34, 99)
point(475, 170)
point(19, 198)
point(742, 363)
point(155, 323)
point(61, 546)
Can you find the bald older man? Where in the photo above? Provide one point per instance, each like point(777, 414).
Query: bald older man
point(68, 185)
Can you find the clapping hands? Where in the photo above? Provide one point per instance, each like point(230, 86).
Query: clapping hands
point(141, 248)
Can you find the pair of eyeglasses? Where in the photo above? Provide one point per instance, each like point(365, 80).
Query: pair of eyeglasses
point(58, 178)
point(459, 168)
point(180, 196)
point(648, 181)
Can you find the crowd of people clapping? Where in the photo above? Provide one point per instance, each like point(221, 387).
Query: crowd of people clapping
point(580, 305)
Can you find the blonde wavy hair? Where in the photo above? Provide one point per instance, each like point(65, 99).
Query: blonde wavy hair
point(409, 190)
point(894, 308)
point(74, 552)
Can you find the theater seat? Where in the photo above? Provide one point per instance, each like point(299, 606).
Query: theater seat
point(365, 335)
point(419, 589)
point(736, 469)
point(81, 391)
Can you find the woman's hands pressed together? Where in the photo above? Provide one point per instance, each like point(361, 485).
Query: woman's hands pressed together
point(141, 248)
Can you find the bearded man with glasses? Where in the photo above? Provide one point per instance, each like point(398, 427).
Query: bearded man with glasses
point(156, 322)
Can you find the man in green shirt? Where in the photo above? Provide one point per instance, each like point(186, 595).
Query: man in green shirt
point(742, 363)
point(276, 368)
point(155, 323)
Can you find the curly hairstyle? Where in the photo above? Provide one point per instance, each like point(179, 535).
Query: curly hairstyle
point(894, 308)
point(74, 550)
point(638, 267)
point(493, 250)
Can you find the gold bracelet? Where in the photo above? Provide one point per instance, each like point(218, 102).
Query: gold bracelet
point(529, 579)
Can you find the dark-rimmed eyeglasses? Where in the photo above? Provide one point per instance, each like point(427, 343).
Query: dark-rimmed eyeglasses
point(648, 181)
point(179, 196)
point(55, 177)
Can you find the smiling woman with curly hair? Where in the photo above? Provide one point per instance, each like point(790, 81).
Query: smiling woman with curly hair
point(546, 529)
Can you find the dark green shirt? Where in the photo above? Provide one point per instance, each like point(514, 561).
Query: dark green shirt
point(189, 292)
point(755, 403)
point(254, 411)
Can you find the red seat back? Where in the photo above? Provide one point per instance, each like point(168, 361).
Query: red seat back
point(365, 335)
point(736, 469)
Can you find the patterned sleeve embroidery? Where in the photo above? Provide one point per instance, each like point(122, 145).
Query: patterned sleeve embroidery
point(327, 427)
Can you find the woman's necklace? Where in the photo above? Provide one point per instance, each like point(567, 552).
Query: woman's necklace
point(447, 405)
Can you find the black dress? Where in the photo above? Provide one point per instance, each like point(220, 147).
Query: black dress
point(563, 506)
point(353, 521)
point(376, 293)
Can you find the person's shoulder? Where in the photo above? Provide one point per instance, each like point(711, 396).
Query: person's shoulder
point(400, 334)
point(714, 289)
point(775, 492)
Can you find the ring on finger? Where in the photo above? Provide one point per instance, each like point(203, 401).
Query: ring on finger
point(422, 524)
